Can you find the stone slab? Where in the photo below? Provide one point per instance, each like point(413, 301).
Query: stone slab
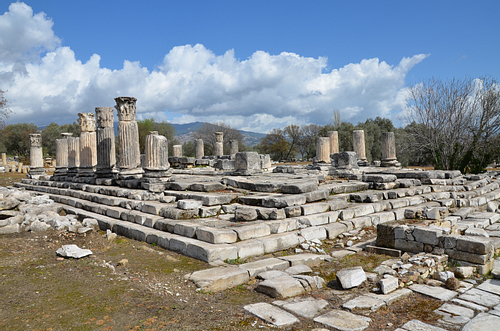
point(491, 286)
point(481, 297)
point(393, 296)
point(343, 320)
point(351, 277)
point(416, 325)
point(284, 287)
point(255, 268)
point(308, 308)
point(364, 302)
point(220, 278)
point(483, 322)
point(271, 314)
point(434, 292)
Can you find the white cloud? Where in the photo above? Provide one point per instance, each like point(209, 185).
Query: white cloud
point(192, 84)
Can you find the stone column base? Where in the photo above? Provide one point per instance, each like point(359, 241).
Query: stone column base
point(390, 163)
point(85, 172)
point(36, 171)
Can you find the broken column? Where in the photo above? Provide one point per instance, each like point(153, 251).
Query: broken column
point(4, 159)
point(128, 139)
point(219, 144)
point(233, 147)
point(88, 145)
point(389, 150)
point(247, 163)
point(62, 150)
point(358, 143)
point(177, 150)
point(36, 155)
point(73, 156)
point(106, 158)
point(334, 141)
point(199, 149)
point(156, 163)
point(323, 150)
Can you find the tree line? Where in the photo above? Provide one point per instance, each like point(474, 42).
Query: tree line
point(452, 124)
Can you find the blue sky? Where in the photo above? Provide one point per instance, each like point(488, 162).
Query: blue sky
point(255, 65)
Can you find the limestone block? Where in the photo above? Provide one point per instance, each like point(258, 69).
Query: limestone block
point(316, 195)
point(482, 322)
point(364, 302)
point(244, 214)
point(257, 267)
point(218, 279)
point(187, 204)
point(283, 287)
point(249, 248)
point(282, 201)
point(299, 187)
point(379, 178)
point(351, 277)
point(343, 320)
point(434, 292)
point(474, 245)
point(252, 231)
point(481, 297)
point(308, 307)
point(271, 314)
point(279, 242)
point(314, 220)
point(334, 229)
point(408, 245)
point(308, 259)
point(416, 325)
point(285, 225)
point(209, 252)
point(467, 257)
point(314, 208)
point(337, 204)
point(216, 236)
point(313, 232)
point(247, 161)
point(427, 236)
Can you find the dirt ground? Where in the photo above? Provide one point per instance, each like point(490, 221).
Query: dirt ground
point(41, 291)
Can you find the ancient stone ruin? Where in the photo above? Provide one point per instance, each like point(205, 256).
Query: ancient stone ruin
point(239, 206)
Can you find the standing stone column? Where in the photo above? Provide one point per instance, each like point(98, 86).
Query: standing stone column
point(199, 149)
point(389, 150)
point(128, 139)
point(177, 150)
point(323, 150)
point(219, 144)
point(106, 158)
point(334, 141)
point(62, 150)
point(156, 163)
point(4, 159)
point(36, 155)
point(73, 156)
point(233, 147)
point(88, 145)
point(358, 143)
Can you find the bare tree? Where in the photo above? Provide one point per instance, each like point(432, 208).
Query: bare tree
point(455, 121)
point(4, 110)
point(307, 143)
point(207, 133)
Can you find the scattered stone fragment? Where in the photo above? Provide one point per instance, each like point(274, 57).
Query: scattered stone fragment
point(73, 251)
point(308, 307)
point(284, 287)
point(351, 277)
point(364, 302)
point(416, 325)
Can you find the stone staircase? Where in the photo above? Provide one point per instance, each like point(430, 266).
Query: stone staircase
point(311, 208)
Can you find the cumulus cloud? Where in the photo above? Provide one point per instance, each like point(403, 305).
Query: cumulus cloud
point(46, 83)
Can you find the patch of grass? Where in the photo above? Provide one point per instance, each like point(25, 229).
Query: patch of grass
point(367, 260)
point(234, 261)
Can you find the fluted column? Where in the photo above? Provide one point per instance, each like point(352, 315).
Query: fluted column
point(358, 143)
point(106, 158)
point(389, 150)
point(199, 148)
point(323, 150)
point(36, 155)
point(219, 144)
point(88, 145)
point(128, 138)
point(177, 150)
point(73, 155)
point(334, 141)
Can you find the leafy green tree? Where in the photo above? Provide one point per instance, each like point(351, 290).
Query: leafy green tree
point(275, 144)
point(53, 131)
point(147, 125)
point(188, 149)
point(16, 137)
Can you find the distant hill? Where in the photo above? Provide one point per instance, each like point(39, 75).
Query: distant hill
point(183, 133)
